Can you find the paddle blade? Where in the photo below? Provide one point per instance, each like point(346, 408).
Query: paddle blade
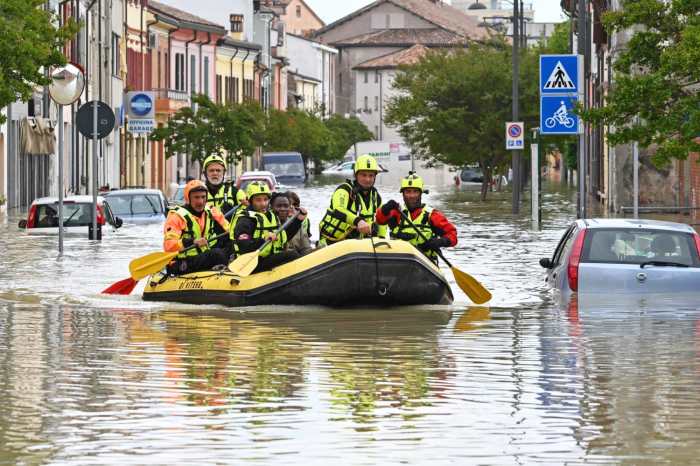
point(125, 286)
point(471, 286)
point(245, 264)
point(150, 264)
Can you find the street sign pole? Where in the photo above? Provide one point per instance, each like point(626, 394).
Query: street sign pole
point(582, 5)
point(95, 236)
point(60, 179)
point(515, 159)
point(535, 197)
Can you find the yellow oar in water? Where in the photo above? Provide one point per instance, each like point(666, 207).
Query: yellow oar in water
point(470, 285)
point(245, 264)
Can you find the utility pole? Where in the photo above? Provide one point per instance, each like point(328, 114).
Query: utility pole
point(581, 36)
point(516, 74)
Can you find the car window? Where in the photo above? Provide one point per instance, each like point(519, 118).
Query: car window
point(635, 246)
point(565, 239)
point(135, 204)
point(74, 214)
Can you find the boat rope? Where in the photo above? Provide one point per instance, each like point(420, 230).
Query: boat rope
point(381, 288)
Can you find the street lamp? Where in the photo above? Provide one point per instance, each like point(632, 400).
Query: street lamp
point(67, 84)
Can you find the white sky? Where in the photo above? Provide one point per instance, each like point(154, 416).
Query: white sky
point(331, 10)
point(547, 11)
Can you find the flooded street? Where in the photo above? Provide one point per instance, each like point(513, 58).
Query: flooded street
point(87, 378)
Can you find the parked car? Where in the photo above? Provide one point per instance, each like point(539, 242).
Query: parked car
point(179, 196)
point(247, 177)
point(625, 256)
point(138, 205)
point(471, 175)
point(347, 169)
point(288, 167)
point(42, 217)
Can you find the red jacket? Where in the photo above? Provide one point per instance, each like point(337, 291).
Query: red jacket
point(438, 222)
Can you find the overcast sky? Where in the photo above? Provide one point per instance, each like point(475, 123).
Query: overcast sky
point(331, 10)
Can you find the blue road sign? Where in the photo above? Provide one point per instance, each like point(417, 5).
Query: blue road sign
point(556, 115)
point(560, 74)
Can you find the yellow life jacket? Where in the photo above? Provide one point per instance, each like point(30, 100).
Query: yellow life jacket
point(265, 222)
point(407, 231)
point(226, 198)
point(335, 225)
point(194, 232)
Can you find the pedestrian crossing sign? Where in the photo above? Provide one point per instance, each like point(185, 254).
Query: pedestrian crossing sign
point(560, 74)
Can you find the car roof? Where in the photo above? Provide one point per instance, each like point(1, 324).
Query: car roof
point(133, 191)
point(594, 223)
point(258, 174)
point(54, 199)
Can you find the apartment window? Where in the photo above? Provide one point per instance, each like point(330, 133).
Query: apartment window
point(158, 67)
point(235, 89)
point(218, 89)
point(193, 74)
point(248, 89)
point(376, 103)
point(180, 71)
point(298, 11)
point(366, 77)
point(376, 132)
point(206, 75)
point(236, 23)
point(166, 63)
point(376, 77)
point(116, 62)
point(366, 107)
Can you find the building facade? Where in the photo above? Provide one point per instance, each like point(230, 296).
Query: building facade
point(310, 75)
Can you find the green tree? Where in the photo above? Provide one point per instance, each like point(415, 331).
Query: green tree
point(29, 43)
point(346, 132)
point(232, 131)
point(655, 96)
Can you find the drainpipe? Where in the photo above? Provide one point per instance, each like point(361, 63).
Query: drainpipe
point(243, 73)
point(230, 71)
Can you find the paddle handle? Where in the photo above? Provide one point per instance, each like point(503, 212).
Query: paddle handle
point(420, 233)
point(228, 215)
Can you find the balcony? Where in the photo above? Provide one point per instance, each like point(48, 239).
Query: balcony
point(170, 101)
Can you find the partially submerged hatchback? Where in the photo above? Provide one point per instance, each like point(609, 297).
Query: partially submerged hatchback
point(138, 205)
point(42, 218)
point(625, 256)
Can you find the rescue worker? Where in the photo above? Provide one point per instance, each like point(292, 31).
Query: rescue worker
point(222, 194)
point(193, 224)
point(255, 224)
point(437, 230)
point(353, 206)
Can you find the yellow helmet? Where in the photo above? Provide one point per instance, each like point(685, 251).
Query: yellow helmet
point(214, 158)
point(412, 181)
point(257, 187)
point(366, 163)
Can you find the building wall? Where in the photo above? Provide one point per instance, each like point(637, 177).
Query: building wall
point(348, 58)
point(299, 19)
point(378, 91)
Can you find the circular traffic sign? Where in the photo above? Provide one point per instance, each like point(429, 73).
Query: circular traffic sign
point(141, 105)
point(105, 119)
point(514, 131)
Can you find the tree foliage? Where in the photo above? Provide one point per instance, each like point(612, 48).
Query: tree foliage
point(30, 42)
point(232, 131)
point(655, 95)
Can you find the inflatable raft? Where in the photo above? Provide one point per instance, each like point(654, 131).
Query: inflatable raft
point(349, 273)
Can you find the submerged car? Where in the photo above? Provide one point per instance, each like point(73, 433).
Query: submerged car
point(42, 218)
point(138, 205)
point(625, 256)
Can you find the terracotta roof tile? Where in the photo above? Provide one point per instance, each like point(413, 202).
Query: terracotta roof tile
point(407, 56)
point(434, 37)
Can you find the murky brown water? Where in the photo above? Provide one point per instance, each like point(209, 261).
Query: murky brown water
point(93, 379)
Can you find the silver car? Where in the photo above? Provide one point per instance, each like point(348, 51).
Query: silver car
point(625, 256)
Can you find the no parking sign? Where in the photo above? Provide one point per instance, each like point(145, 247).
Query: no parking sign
point(515, 135)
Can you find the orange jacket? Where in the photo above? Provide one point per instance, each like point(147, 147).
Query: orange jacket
point(175, 225)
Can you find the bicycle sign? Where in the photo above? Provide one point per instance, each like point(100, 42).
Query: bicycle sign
point(557, 115)
point(514, 135)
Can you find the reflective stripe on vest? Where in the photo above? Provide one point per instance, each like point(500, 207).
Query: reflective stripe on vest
point(194, 232)
point(407, 230)
point(334, 226)
point(225, 196)
point(265, 223)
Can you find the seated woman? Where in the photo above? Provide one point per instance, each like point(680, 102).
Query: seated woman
point(282, 206)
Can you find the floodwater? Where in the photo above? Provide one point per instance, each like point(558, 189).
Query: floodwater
point(93, 379)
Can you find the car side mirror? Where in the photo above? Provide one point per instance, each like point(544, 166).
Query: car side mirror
point(22, 223)
point(118, 222)
point(546, 262)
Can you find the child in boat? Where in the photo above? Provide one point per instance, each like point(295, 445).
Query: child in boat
point(281, 204)
point(255, 224)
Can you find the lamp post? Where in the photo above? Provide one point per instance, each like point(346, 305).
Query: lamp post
point(67, 84)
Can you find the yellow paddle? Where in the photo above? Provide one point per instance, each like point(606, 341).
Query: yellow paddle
point(470, 285)
point(245, 264)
